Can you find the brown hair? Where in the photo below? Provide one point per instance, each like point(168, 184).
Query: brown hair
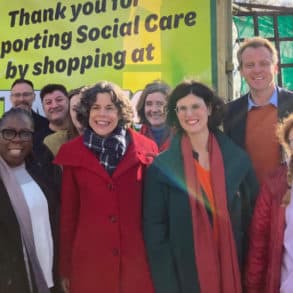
point(72, 131)
point(257, 42)
point(157, 86)
point(283, 130)
point(119, 99)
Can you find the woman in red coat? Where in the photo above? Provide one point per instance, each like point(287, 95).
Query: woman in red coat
point(270, 264)
point(151, 110)
point(102, 247)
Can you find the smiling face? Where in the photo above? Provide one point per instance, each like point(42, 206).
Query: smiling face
point(154, 109)
point(192, 114)
point(22, 96)
point(258, 69)
point(103, 117)
point(56, 107)
point(15, 151)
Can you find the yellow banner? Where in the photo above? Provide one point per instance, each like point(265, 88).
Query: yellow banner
point(130, 42)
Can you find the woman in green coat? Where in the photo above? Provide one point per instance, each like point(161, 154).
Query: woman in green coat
point(199, 196)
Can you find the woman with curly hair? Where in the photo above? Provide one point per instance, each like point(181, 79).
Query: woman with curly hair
point(270, 258)
point(102, 247)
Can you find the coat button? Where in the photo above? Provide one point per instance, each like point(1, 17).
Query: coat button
point(113, 219)
point(110, 186)
point(115, 251)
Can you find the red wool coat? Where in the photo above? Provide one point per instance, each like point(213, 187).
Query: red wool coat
point(264, 259)
point(102, 248)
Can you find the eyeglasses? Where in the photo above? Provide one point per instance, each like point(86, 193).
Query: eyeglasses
point(24, 94)
point(184, 109)
point(9, 134)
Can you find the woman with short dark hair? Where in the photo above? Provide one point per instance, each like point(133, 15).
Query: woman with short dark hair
point(198, 199)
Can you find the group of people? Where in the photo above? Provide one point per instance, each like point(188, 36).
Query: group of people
point(196, 200)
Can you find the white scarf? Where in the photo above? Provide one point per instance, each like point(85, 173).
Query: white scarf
point(23, 217)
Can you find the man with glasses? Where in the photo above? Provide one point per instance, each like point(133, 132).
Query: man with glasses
point(22, 96)
point(251, 120)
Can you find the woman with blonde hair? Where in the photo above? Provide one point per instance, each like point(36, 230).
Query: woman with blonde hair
point(270, 264)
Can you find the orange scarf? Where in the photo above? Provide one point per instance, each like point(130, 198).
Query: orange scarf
point(217, 261)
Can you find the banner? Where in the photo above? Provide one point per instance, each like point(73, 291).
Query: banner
point(129, 42)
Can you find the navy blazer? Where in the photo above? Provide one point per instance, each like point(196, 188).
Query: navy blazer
point(236, 114)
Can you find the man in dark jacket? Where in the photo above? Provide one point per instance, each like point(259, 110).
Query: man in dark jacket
point(250, 120)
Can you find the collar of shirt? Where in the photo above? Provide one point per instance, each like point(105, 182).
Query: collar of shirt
point(273, 100)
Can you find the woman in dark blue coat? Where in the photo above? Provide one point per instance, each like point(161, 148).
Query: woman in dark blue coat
point(198, 200)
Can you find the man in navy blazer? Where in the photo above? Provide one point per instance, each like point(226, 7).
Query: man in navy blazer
point(250, 120)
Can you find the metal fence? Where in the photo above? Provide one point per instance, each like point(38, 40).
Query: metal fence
point(273, 23)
